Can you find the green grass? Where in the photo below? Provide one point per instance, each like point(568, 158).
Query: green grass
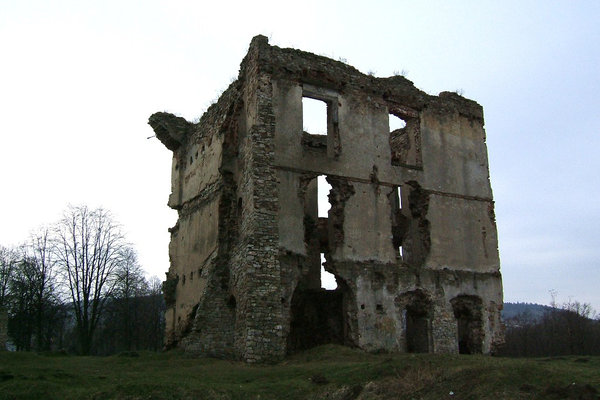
point(327, 372)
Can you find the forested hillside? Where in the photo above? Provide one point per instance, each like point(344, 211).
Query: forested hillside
point(535, 330)
point(536, 311)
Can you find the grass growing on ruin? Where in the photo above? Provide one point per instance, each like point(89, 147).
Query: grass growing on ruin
point(327, 372)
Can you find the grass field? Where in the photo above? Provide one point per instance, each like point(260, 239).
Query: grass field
point(327, 372)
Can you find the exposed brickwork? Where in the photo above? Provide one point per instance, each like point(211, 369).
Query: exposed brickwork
point(411, 235)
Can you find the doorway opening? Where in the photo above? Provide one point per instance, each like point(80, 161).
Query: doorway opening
point(417, 321)
point(467, 311)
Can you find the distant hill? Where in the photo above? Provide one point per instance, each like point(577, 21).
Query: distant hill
point(536, 311)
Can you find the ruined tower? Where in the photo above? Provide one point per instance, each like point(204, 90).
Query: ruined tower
point(410, 236)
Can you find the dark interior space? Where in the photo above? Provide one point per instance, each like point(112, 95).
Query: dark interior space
point(316, 319)
point(467, 311)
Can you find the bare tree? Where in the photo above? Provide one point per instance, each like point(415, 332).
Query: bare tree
point(567, 330)
point(6, 272)
point(21, 322)
point(8, 261)
point(16, 295)
point(130, 281)
point(89, 249)
point(130, 286)
point(40, 258)
point(156, 314)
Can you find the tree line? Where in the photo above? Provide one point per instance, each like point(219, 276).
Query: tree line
point(77, 286)
point(568, 329)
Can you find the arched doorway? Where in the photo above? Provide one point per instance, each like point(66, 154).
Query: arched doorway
point(417, 321)
point(467, 311)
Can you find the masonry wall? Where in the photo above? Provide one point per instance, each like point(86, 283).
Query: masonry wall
point(245, 253)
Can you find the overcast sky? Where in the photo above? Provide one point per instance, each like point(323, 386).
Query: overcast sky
point(79, 79)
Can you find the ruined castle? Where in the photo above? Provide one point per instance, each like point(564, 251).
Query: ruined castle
point(410, 235)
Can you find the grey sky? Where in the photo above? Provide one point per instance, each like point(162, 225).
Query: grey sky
point(78, 80)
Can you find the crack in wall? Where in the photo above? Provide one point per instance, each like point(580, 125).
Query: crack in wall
point(244, 281)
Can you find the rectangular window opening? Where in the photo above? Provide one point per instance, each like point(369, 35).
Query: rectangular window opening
point(314, 116)
point(399, 140)
point(405, 137)
point(320, 121)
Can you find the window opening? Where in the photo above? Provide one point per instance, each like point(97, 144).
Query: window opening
point(405, 138)
point(314, 116)
point(328, 280)
point(396, 123)
point(399, 221)
point(399, 192)
point(323, 189)
point(399, 140)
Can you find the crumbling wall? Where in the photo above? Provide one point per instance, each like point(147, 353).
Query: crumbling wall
point(197, 280)
point(410, 236)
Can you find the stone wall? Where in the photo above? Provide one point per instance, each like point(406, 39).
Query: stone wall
point(410, 236)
